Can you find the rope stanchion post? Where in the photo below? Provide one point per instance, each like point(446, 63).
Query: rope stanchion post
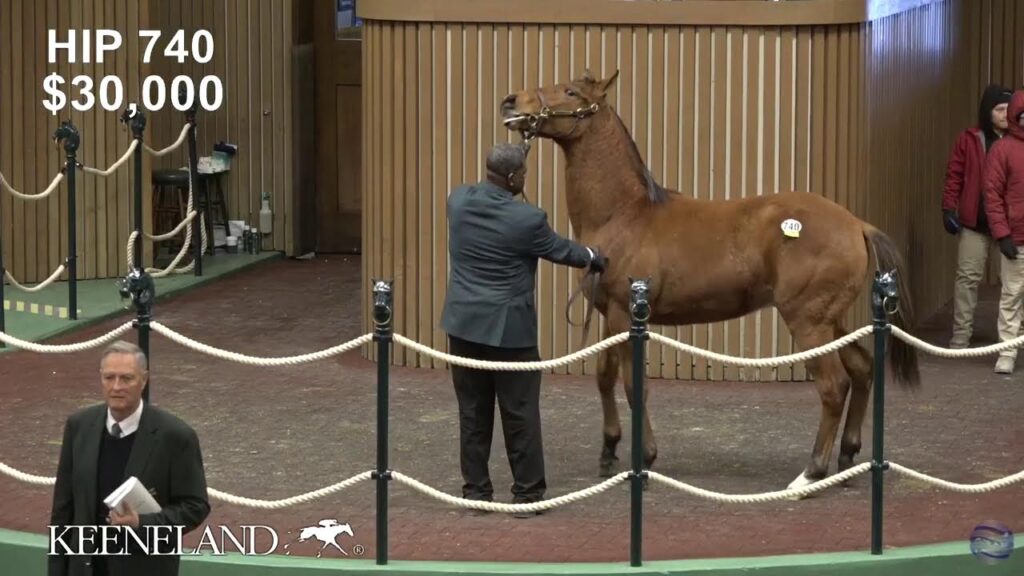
point(383, 330)
point(136, 119)
point(193, 166)
point(139, 289)
point(884, 300)
point(640, 311)
point(67, 133)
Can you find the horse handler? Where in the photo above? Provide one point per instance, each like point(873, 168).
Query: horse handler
point(495, 240)
point(1004, 204)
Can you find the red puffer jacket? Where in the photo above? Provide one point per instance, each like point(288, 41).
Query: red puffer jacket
point(1004, 179)
point(965, 177)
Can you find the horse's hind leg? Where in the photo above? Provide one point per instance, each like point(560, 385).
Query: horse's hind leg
point(833, 383)
point(618, 321)
point(607, 374)
point(858, 365)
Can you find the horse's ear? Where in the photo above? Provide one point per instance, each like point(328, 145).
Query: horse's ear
point(588, 77)
point(606, 83)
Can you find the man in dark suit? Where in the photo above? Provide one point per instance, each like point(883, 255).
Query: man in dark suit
point(495, 240)
point(106, 444)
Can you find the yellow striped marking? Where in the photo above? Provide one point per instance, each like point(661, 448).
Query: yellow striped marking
point(35, 308)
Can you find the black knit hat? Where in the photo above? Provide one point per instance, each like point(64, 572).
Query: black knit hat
point(993, 96)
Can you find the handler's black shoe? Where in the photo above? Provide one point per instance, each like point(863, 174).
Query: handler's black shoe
point(524, 514)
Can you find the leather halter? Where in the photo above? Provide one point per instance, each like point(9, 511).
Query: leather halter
point(535, 120)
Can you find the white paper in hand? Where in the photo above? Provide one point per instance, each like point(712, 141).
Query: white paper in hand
point(135, 494)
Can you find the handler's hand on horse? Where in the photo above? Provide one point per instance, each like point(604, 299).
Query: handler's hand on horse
point(1008, 248)
point(950, 221)
point(598, 263)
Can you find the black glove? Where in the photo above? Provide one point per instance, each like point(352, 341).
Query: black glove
point(1008, 248)
point(950, 221)
point(598, 263)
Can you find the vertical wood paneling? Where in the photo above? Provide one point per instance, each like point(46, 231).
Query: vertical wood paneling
point(673, 160)
point(715, 112)
point(252, 57)
point(441, 129)
point(6, 138)
point(35, 233)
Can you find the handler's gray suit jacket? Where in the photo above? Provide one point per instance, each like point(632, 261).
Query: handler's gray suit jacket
point(494, 240)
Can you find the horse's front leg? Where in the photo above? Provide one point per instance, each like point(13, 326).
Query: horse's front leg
point(607, 374)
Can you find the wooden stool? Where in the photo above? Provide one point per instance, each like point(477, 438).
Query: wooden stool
point(170, 201)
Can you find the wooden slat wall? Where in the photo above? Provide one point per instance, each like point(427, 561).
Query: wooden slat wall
point(252, 40)
point(252, 56)
point(35, 233)
point(717, 113)
point(928, 68)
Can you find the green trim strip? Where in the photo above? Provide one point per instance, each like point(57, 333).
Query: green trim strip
point(23, 553)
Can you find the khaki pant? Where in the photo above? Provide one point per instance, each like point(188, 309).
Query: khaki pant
point(972, 256)
point(1010, 300)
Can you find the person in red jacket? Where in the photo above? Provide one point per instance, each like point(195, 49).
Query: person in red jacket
point(963, 210)
point(1004, 207)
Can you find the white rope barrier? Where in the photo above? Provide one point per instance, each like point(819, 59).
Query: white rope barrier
point(257, 361)
point(513, 366)
point(962, 488)
point(177, 230)
point(115, 165)
point(285, 502)
point(187, 225)
point(65, 348)
point(53, 278)
point(41, 195)
point(760, 498)
point(172, 147)
point(959, 352)
point(788, 494)
point(502, 507)
point(26, 477)
point(766, 362)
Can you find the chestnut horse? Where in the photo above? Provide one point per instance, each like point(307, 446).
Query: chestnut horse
point(714, 260)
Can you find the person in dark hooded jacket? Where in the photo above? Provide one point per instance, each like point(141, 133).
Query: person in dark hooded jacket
point(1004, 207)
point(963, 210)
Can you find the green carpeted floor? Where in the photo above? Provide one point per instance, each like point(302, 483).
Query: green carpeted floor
point(38, 316)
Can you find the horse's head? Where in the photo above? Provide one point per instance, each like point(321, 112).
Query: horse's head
point(560, 111)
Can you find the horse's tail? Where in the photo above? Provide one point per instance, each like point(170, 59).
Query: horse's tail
point(902, 356)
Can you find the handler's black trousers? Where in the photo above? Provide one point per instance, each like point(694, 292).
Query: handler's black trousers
point(518, 395)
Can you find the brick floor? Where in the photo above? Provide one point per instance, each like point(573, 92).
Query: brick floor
point(273, 433)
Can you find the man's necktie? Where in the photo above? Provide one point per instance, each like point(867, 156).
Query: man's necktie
point(115, 430)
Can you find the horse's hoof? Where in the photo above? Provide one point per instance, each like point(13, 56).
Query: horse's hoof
point(800, 481)
point(606, 469)
point(845, 463)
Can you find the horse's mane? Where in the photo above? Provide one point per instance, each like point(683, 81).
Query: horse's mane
point(656, 193)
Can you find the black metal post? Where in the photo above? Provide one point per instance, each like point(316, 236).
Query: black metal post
point(69, 134)
point(138, 286)
point(135, 118)
point(884, 299)
point(193, 166)
point(640, 311)
point(382, 332)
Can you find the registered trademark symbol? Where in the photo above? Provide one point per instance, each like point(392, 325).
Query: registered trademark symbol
point(358, 550)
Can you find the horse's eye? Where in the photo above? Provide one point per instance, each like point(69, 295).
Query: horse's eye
point(570, 93)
